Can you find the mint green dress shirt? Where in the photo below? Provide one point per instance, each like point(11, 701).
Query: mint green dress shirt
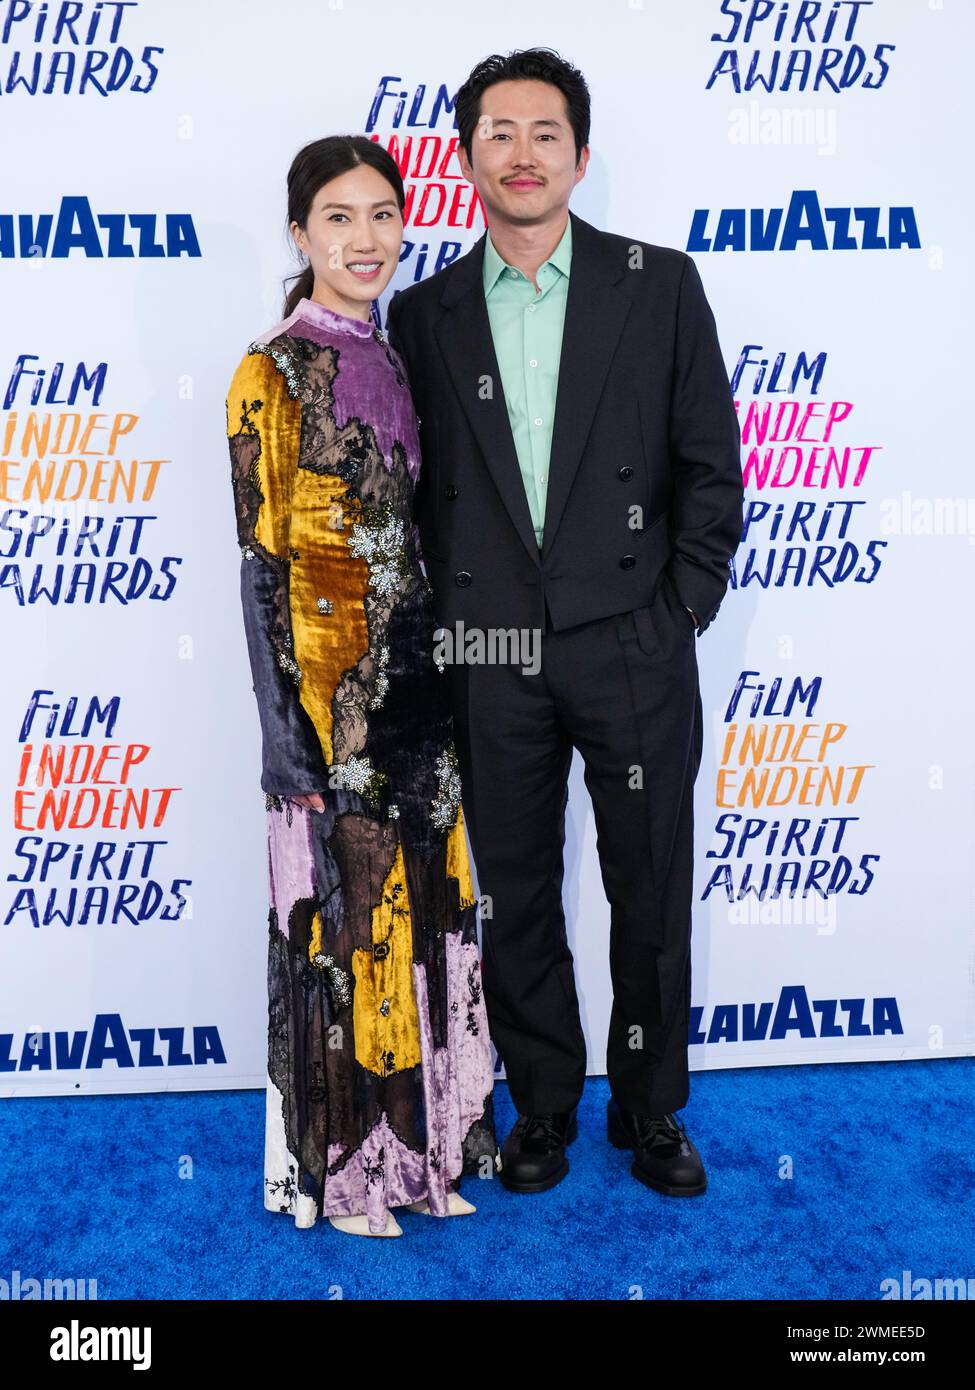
point(527, 330)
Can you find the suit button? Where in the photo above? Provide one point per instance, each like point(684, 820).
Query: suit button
point(625, 473)
point(462, 579)
point(450, 492)
point(627, 562)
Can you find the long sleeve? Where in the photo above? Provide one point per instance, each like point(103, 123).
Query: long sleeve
point(705, 445)
point(264, 433)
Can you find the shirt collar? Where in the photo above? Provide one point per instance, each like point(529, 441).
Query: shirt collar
point(494, 266)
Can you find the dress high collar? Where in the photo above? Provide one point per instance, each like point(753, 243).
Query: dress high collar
point(339, 323)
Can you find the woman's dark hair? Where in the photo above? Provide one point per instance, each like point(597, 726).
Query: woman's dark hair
point(317, 164)
point(535, 64)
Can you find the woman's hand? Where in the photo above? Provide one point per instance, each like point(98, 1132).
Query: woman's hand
point(310, 799)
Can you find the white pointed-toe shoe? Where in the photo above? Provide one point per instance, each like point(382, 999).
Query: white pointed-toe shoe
point(456, 1206)
point(359, 1225)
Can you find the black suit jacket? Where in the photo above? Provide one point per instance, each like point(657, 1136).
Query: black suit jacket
point(645, 471)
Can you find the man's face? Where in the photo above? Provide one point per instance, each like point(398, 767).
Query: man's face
point(523, 155)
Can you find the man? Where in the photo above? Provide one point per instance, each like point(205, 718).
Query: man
point(581, 480)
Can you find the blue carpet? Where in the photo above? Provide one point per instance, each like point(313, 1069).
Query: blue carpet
point(882, 1164)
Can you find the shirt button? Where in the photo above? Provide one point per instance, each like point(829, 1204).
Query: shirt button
point(531, 308)
point(538, 419)
point(543, 478)
point(533, 362)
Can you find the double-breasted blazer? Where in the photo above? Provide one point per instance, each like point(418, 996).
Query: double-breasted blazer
point(645, 474)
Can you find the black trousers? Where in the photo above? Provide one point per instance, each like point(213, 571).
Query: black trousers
point(623, 691)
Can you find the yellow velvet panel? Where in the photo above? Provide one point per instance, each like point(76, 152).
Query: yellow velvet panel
point(278, 425)
point(326, 644)
point(315, 944)
point(397, 1033)
point(458, 862)
point(305, 518)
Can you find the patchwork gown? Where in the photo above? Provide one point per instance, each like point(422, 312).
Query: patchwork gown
point(379, 1069)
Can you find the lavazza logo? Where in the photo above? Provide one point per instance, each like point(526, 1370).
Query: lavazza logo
point(78, 229)
point(804, 224)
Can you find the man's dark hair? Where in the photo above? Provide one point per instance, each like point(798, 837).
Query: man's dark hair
point(534, 64)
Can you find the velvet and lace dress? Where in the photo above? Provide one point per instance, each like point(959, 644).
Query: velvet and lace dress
point(379, 1075)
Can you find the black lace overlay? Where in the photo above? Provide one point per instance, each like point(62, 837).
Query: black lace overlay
point(383, 1098)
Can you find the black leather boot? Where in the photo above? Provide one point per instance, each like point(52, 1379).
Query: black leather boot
point(533, 1156)
point(665, 1159)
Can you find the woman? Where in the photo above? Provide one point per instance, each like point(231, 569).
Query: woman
point(379, 1087)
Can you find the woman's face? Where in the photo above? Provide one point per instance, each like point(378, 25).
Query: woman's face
point(352, 239)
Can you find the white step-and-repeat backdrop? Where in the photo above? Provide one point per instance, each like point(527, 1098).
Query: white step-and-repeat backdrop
point(813, 158)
